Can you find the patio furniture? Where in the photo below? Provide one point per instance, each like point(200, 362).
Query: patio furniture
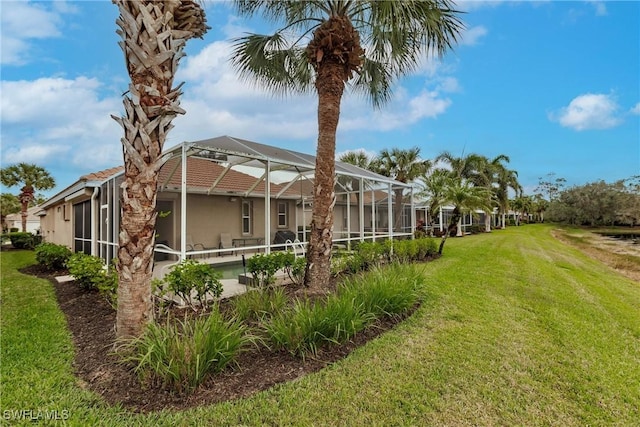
point(247, 241)
point(191, 246)
point(226, 242)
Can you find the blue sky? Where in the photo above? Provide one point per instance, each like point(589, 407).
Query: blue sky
point(554, 85)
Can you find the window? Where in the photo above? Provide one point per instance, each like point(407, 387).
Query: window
point(282, 214)
point(82, 227)
point(247, 211)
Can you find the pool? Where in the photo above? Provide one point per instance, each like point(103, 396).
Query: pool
point(229, 270)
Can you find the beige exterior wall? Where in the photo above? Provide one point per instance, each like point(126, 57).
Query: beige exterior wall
point(209, 216)
point(57, 224)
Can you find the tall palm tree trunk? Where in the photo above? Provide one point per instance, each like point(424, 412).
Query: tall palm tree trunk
point(334, 52)
point(330, 87)
point(453, 226)
point(487, 222)
point(26, 196)
point(154, 34)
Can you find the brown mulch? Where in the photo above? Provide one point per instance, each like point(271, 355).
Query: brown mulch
point(91, 321)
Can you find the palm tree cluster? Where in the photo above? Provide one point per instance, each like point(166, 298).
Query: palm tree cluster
point(466, 183)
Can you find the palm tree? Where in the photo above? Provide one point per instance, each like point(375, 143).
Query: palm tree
point(404, 166)
point(506, 179)
point(154, 34)
point(433, 188)
point(463, 168)
point(464, 196)
point(523, 205)
point(362, 160)
point(32, 178)
point(540, 205)
point(321, 45)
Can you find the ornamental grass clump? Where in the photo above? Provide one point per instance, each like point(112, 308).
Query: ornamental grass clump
point(180, 355)
point(307, 326)
point(390, 291)
point(259, 303)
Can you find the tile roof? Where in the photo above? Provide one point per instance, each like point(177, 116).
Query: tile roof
point(102, 175)
point(202, 173)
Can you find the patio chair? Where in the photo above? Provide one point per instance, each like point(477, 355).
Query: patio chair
point(191, 246)
point(226, 242)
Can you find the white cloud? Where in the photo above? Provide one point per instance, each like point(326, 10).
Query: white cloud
point(472, 35)
point(34, 153)
point(599, 6)
point(49, 118)
point(636, 109)
point(22, 21)
point(218, 102)
point(589, 111)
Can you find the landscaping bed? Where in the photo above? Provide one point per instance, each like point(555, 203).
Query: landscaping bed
point(91, 322)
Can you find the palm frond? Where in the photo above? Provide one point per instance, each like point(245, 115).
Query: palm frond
point(396, 36)
point(270, 61)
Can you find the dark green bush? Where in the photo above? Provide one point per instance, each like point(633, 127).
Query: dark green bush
point(191, 277)
point(20, 240)
point(89, 272)
point(53, 257)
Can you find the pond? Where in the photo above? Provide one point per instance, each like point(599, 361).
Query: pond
point(634, 237)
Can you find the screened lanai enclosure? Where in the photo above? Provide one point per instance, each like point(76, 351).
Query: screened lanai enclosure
point(224, 195)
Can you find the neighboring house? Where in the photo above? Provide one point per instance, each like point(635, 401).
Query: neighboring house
point(228, 186)
point(14, 221)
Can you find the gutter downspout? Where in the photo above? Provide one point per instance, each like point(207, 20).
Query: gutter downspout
point(94, 222)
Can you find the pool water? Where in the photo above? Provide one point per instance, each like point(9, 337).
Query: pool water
point(229, 271)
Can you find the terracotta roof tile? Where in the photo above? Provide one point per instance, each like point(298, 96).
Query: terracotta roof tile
point(102, 175)
point(202, 173)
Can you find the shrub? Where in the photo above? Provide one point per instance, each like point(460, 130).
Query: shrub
point(53, 257)
point(402, 251)
point(338, 264)
point(180, 354)
point(370, 252)
point(87, 270)
point(20, 240)
point(108, 285)
point(259, 304)
point(263, 267)
point(427, 246)
point(191, 277)
point(296, 270)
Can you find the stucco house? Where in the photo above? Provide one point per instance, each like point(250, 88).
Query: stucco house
point(224, 186)
point(13, 221)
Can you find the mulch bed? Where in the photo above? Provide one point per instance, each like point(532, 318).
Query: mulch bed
point(91, 321)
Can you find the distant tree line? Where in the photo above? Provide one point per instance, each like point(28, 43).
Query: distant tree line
point(598, 204)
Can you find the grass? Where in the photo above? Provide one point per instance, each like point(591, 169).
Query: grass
point(516, 328)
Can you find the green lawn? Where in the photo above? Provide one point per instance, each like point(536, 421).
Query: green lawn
point(517, 329)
